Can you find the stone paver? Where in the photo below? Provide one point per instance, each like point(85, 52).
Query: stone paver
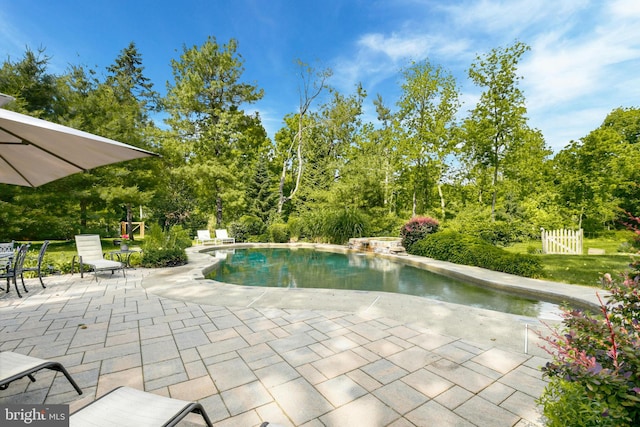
point(246, 365)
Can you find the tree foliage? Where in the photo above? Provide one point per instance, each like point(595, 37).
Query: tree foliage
point(331, 162)
point(497, 124)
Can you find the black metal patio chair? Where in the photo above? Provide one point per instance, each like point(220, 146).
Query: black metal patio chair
point(38, 267)
point(12, 272)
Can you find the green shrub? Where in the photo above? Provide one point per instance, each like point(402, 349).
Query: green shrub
point(309, 225)
point(246, 227)
point(597, 357)
point(295, 225)
point(567, 403)
point(383, 223)
point(165, 248)
point(504, 230)
point(164, 257)
point(416, 229)
point(343, 224)
point(278, 233)
point(468, 250)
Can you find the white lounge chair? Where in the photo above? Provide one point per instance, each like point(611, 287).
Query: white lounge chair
point(90, 254)
point(223, 237)
point(126, 406)
point(204, 236)
point(14, 366)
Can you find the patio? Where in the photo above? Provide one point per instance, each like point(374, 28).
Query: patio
point(248, 362)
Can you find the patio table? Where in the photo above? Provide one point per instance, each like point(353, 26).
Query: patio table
point(126, 254)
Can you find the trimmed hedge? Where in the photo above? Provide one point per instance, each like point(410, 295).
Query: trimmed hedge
point(164, 257)
point(468, 250)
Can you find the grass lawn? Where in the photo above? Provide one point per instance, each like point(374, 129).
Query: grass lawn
point(60, 253)
point(581, 269)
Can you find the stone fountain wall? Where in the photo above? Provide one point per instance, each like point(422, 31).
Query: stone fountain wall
point(380, 245)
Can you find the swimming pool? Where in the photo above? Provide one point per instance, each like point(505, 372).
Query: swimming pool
point(310, 268)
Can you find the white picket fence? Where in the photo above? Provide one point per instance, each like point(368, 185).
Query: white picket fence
point(562, 242)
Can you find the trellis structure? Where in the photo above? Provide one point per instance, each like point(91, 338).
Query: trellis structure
point(136, 226)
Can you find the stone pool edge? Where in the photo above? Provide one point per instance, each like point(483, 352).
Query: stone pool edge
point(187, 283)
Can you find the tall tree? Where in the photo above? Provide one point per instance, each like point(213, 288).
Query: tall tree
point(497, 122)
point(330, 148)
point(312, 83)
point(384, 145)
point(132, 92)
point(428, 106)
point(30, 83)
point(598, 175)
point(204, 105)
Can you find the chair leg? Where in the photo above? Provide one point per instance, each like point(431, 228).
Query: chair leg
point(15, 285)
point(200, 410)
point(23, 286)
point(40, 277)
point(58, 367)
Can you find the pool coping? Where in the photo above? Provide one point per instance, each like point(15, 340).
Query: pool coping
point(188, 283)
point(556, 292)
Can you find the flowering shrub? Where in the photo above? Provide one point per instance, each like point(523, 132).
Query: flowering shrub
point(417, 228)
point(595, 371)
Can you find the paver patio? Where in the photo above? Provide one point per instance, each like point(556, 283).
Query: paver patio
point(245, 364)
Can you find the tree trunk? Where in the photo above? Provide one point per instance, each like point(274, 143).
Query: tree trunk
point(495, 185)
point(442, 204)
point(414, 205)
point(219, 211)
point(83, 214)
point(129, 221)
point(282, 199)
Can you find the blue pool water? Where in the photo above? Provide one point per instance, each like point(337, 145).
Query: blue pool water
point(308, 268)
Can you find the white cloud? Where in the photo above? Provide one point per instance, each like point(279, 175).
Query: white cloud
point(10, 39)
point(396, 47)
point(575, 75)
point(583, 61)
point(510, 17)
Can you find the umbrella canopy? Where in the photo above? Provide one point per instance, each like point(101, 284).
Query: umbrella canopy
point(34, 151)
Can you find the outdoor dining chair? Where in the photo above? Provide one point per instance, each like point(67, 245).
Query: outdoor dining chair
point(7, 250)
point(126, 406)
point(12, 272)
point(14, 366)
point(38, 267)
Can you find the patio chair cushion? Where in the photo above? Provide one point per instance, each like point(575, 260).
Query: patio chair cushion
point(223, 236)
point(204, 236)
point(14, 366)
point(126, 406)
point(90, 253)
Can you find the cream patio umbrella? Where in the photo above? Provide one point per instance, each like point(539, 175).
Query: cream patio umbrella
point(34, 151)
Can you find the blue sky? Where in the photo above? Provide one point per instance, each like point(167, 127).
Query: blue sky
point(584, 59)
